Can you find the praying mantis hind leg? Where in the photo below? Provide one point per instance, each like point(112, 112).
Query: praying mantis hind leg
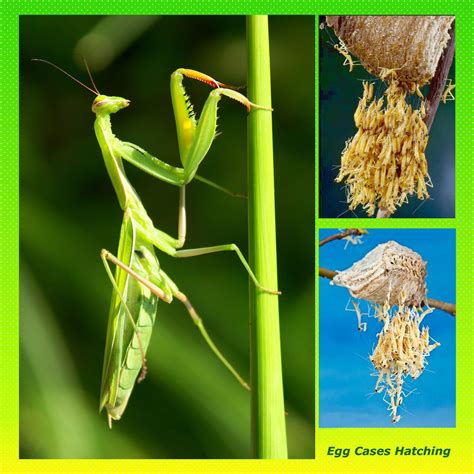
point(106, 256)
point(225, 248)
point(167, 282)
point(200, 325)
point(180, 296)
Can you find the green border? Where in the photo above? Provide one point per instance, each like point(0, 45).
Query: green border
point(459, 438)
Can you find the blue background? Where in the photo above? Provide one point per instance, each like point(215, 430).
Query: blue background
point(345, 384)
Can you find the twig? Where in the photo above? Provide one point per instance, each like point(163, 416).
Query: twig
point(325, 273)
point(439, 80)
point(447, 307)
point(433, 303)
point(345, 233)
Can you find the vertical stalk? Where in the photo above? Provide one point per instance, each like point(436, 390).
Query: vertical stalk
point(268, 413)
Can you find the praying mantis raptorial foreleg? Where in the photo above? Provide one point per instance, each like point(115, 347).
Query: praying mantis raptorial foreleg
point(139, 281)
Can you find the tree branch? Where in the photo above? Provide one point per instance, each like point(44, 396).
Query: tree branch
point(325, 273)
point(433, 303)
point(439, 80)
point(345, 233)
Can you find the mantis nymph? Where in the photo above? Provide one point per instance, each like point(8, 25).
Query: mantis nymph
point(139, 281)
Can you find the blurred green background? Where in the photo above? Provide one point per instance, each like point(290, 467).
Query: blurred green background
point(189, 406)
point(339, 93)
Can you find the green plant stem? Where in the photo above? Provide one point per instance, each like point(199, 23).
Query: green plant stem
point(268, 413)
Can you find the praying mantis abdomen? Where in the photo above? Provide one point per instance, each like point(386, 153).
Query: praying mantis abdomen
point(129, 334)
point(139, 297)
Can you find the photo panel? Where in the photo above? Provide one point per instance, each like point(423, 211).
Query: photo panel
point(387, 328)
point(386, 109)
point(189, 405)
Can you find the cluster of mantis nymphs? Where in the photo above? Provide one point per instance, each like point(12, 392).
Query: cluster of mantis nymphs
point(401, 352)
point(139, 281)
point(385, 161)
point(391, 278)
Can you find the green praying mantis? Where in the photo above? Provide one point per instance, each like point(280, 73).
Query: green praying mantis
point(139, 281)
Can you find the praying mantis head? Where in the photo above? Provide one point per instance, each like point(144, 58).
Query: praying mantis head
point(106, 105)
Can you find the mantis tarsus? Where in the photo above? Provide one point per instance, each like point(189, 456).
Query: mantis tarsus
point(139, 282)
